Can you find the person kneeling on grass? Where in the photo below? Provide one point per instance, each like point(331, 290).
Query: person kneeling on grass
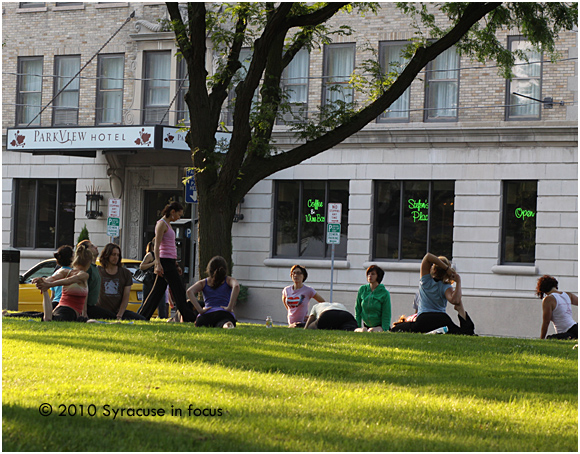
point(332, 316)
point(220, 293)
point(73, 301)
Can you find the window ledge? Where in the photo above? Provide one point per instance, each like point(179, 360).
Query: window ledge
point(396, 266)
point(42, 9)
point(112, 5)
point(68, 8)
point(530, 270)
point(308, 263)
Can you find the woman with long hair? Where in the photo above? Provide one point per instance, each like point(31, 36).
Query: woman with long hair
point(220, 293)
point(556, 308)
point(73, 301)
point(435, 291)
point(166, 268)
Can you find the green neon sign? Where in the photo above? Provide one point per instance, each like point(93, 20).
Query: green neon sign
point(417, 206)
point(314, 206)
point(523, 214)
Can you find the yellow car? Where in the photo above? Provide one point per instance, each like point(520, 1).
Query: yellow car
point(30, 298)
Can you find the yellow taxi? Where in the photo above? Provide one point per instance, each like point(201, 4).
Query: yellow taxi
point(30, 298)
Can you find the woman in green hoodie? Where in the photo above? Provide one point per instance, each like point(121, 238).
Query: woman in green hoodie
point(373, 303)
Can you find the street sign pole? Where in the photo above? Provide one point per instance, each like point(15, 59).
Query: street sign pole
point(333, 237)
point(331, 271)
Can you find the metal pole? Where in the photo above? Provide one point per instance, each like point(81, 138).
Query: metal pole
point(331, 272)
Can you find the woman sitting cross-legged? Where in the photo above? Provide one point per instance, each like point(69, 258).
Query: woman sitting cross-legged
point(373, 303)
point(220, 293)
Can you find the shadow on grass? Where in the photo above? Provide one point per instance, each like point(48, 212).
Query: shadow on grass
point(486, 368)
point(382, 428)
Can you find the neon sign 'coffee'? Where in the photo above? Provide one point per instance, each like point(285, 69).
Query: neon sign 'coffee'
point(523, 214)
point(417, 206)
point(314, 206)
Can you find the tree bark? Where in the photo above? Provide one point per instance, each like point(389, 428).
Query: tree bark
point(215, 227)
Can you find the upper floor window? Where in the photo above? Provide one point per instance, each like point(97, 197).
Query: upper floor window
point(393, 61)
point(183, 82)
point(527, 81)
point(32, 4)
point(110, 89)
point(338, 68)
point(66, 105)
point(29, 90)
point(519, 222)
point(442, 87)
point(44, 214)
point(295, 87)
point(300, 215)
point(156, 97)
point(412, 218)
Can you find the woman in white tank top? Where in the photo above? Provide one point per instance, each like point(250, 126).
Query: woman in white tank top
point(556, 308)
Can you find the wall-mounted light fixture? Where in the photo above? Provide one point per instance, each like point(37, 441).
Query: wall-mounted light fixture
point(93, 199)
point(239, 216)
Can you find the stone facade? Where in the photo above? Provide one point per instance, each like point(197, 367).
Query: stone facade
point(478, 152)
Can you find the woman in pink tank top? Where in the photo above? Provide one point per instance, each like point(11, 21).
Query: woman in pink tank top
point(73, 302)
point(167, 269)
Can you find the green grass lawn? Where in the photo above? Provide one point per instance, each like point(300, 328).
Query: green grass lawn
point(281, 389)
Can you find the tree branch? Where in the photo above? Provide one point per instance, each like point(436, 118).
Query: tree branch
point(256, 168)
point(317, 17)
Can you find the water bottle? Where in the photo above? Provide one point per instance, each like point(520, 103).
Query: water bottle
point(268, 322)
point(442, 330)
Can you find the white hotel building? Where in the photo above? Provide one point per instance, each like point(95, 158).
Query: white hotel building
point(460, 166)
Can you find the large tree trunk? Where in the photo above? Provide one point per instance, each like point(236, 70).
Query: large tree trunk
point(215, 228)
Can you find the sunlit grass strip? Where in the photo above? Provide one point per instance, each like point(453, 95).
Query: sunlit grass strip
point(282, 389)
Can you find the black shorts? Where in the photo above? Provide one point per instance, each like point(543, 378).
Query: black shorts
point(215, 319)
point(337, 319)
point(64, 314)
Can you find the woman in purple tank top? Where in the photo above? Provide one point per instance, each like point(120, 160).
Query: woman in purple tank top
point(220, 293)
point(167, 270)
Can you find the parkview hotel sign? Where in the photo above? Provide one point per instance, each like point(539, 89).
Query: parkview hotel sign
point(87, 140)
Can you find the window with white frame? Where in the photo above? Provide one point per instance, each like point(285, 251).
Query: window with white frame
point(295, 87)
point(412, 218)
point(66, 104)
point(392, 59)
point(527, 81)
point(300, 220)
point(338, 68)
point(29, 90)
point(442, 87)
point(519, 222)
point(44, 213)
point(110, 89)
point(156, 95)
